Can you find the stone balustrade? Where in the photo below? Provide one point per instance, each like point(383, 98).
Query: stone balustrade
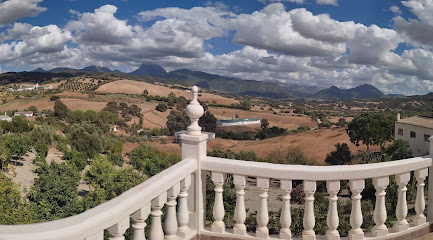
point(180, 191)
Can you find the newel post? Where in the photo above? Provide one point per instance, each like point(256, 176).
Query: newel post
point(194, 146)
point(430, 186)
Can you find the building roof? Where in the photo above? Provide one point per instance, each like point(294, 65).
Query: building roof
point(28, 112)
point(4, 117)
point(239, 120)
point(418, 121)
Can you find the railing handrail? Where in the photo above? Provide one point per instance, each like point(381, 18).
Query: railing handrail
point(105, 215)
point(315, 173)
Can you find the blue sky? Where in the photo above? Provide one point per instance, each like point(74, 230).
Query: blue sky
point(345, 43)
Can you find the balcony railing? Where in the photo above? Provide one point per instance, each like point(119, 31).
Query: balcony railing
point(180, 189)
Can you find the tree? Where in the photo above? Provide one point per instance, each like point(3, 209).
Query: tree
point(20, 124)
point(86, 139)
point(61, 111)
point(264, 124)
point(17, 145)
point(115, 159)
point(400, 149)
point(246, 105)
point(117, 147)
point(340, 156)
point(341, 122)
point(371, 129)
point(161, 107)
point(151, 161)
point(55, 196)
point(177, 121)
point(208, 122)
point(33, 109)
point(54, 98)
point(43, 134)
point(75, 158)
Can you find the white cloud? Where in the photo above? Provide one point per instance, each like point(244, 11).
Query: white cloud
point(11, 10)
point(327, 2)
point(395, 9)
point(418, 30)
point(100, 27)
point(274, 1)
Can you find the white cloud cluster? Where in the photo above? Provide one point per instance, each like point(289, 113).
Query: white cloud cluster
point(11, 10)
point(293, 46)
point(418, 30)
point(327, 2)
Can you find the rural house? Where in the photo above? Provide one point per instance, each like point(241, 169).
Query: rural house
point(417, 131)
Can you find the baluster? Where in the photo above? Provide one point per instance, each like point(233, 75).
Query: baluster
point(182, 209)
point(218, 207)
point(401, 209)
point(286, 218)
point(240, 213)
point(380, 229)
point(332, 220)
point(309, 220)
point(116, 231)
point(262, 230)
point(156, 232)
point(170, 223)
point(420, 176)
point(97, 236)
point(139, 222)
point(355, 233)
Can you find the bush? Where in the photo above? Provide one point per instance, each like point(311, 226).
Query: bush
point(115, 159)
point(340, 156)
point(161, 107)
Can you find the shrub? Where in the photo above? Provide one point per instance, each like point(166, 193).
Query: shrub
point(161, 107)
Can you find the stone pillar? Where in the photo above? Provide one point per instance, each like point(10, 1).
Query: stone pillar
point(356, 233)
point(218, 207)
point(401, 210)
point(194, 146)
point(139, 222)
point(380, 184)
point(286, 217)
point(182, 210)
point(420, 176)
point(116, 231)
point(332, 220)
point(240, 213)
point(170, 223)
point(262, 230)
point(156, 232)
point(309, 219)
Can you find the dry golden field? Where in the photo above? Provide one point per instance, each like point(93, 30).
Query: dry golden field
point(136, 87)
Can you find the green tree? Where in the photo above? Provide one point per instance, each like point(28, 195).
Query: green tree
point(208, 122)
point(177, 121)
point(55, 196)
point(33, 109)
point(340, 156)
point(117, 147)
point(264, 124)
point(43, 134)
point(100, 173)
point(86, 139)
point(54, 98)
point(161, 107)
point(151, 161)
point(17, 145)
point(400, 149)
point(76, 116)
point(20, 124)
point(371, 129)
point(75, 158)
point(61, 111)
point(115, 159)
point(12, 209)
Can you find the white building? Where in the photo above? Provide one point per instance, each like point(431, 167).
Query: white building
point(27, 114)
point(416, 130)
point(238, 122)
point(5, 118)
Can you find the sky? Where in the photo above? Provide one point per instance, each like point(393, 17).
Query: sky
point(343, 43)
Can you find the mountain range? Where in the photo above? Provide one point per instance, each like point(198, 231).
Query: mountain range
point(237, 86)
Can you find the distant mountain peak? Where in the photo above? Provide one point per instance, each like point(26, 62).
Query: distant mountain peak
point(361, 91)
point(150, 69)
point(38, 70)
point(96, 69)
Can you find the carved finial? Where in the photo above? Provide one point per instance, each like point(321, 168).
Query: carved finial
point(194, 111)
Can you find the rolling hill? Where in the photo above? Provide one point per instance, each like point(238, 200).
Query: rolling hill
point(361, 91)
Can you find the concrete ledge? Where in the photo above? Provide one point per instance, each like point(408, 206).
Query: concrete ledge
point(411, 234)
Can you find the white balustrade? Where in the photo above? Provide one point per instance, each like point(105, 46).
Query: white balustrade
point(97, 236)
point(218, 207)
point(240, 213)
point(156, 232)
point(262, 230)
point(118, 230)
point(170, 223)
point(420, 176)
point(332, 220)
point(356, 186)
point(401, 209)
point(286, 217)
point(182, 210)
point(380, 229)
point(309, 219)
point(139, 222)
